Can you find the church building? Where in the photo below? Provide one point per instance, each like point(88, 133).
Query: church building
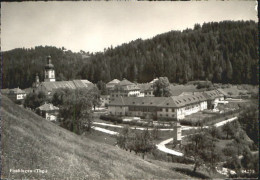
point(49, 85)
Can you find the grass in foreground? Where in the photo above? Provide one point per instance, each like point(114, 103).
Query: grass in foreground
point(30, 142)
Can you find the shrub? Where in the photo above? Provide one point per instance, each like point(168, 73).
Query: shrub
point(111, 118)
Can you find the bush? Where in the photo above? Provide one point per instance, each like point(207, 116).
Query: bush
point(111, 118)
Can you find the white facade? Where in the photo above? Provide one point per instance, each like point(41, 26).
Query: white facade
point(118, 110)
point(159, 112)
point(134, 93)
point(20, 96)
point(50, 117)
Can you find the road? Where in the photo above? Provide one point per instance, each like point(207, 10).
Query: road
point(138, 128)
point(161, 146)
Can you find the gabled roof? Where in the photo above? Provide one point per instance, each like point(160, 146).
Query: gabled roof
point(114, 81)
point(145, 87)
point(177, 90)
point(212, 94)
point(47, 107)
point(222, 92)
point(139, 101)
point(154, 80)
point(82, 83)
point(125, 82)
point(126, 85)
point(16, 91)
point(171, 102)
point(50, 86)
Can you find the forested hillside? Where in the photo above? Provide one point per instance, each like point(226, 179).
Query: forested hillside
point(220, 52)
point(21, 65)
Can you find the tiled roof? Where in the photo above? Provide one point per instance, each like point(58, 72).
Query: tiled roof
point(212, 94)
point(126, 85)
point(222, 92)
point(48, 107)
point(153, 81)
point(145, 87)
point(115, 81)
point(179, 89)
point(67, 84)
point(16, 91)
point(173, 102)
point(125, 82)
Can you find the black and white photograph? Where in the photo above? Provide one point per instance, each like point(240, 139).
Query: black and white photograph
point(133, 90)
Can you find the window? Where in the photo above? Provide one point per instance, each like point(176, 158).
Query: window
point(160, 114)
point(167, 115)
point(166, 109)
point(172, 109)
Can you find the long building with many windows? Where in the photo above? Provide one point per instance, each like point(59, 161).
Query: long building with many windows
point(175, 107)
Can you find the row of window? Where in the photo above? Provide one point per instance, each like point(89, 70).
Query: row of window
point(167, 115)
point(143, 109)
point(167, 109)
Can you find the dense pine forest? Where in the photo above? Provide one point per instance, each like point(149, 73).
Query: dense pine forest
point(225, 52)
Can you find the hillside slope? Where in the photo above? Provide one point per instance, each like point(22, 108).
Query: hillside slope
point(30, 142)
point(224, 52)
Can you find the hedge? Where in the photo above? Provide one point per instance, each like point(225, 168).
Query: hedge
point(111, 118)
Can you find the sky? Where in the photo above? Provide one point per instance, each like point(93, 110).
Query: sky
point(93, 26)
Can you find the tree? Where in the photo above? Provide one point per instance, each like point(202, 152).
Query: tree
point(75, 109)
point(202, 148)
point(228, 129)
point(95, 93)
point(102, 88)
point(121, 139)
point(249, 122)
point(162, 87)
point(139, 142)
point(34, 100)
point(155, 133)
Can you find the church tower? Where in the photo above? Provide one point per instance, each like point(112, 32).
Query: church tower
point(49, 73)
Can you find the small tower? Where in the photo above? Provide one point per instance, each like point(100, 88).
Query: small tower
point(177, 133)
point(49, 71)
